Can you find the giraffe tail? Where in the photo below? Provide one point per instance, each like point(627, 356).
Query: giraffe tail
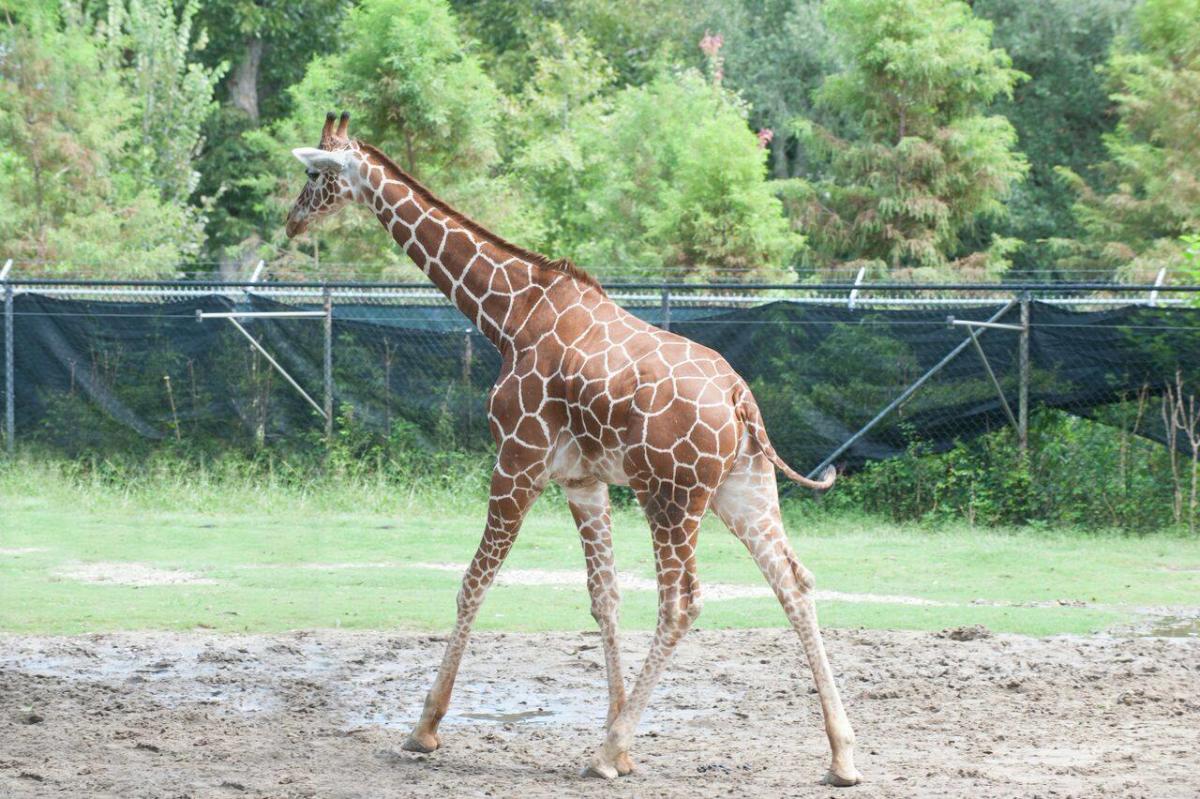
point(747, 411)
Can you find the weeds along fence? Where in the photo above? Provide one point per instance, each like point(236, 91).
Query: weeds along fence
point(1094, 380)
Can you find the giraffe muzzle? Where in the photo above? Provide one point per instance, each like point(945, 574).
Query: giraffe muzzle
point(297, 223)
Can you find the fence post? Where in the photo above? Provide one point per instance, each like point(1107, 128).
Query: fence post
point(10, 386)
point(1023, 386)
point(328, 366)
point(858, 279)
point(666, 308)
point(1158, 281)
point(468, 356)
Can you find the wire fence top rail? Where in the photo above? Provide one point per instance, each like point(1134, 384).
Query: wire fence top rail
point(663, 295)
point(1049, 287)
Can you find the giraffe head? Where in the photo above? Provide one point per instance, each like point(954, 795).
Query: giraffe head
point(330, 168)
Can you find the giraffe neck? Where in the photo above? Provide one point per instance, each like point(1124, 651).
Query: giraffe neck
point(484, 276)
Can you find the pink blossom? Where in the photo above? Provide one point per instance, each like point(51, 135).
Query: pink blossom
point(764, 137)
point(711, 45)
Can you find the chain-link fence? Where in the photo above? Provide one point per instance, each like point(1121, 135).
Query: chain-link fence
point(844, 373)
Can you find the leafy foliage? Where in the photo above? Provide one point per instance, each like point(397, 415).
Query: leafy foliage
point(266, 45)
point(1079, 474)
point(74, 140)
point(918, 160)
point(658, 179)
point(277, 36)
point(1060, 113)
point(417, 91)
point(1154, 199)
point(174, 92)
point(896, 132)
point(636, 37)
point(776, 54)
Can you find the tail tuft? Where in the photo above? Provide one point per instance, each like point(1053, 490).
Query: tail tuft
point(828, 477)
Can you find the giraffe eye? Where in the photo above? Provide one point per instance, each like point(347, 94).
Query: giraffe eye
point(313, 174)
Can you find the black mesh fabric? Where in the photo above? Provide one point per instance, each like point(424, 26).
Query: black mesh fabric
point(101, 376)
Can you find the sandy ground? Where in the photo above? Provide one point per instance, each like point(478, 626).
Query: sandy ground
point(324, 714)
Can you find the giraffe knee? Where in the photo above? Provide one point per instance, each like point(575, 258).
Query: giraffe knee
point(804, 578)
point(694, 606)
point(680, 613)
point(466, 601)
point(693, 600)
point(604, 607)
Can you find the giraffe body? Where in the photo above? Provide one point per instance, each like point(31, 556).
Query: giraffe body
point(590, 396)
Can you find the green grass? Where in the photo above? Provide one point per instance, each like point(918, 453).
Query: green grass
point(261, 543)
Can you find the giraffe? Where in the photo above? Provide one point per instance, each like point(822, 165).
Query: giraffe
point(589, 396)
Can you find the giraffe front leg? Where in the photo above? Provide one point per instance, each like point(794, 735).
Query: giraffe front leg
point(590, 509)
point(679, 604)
point(510, 498)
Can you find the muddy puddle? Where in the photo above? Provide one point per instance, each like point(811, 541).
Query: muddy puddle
point(1175, 627)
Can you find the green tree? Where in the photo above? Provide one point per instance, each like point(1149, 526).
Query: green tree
point(1136, 226)
point(776, 54)
point(1060, 113)
point(662, 179)
point(267, 45)
point(154, 50)
point(72, 188)
point(916, 161)
point(635, 37)
point(568, 73)
point(415, 89)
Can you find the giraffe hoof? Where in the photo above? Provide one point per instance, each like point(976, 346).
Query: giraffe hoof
point(624, 764)
point(599, 770)
point(422, 742)
point(845, 780)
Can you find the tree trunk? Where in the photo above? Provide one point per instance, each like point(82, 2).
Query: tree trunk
point(779, 164)
point(243, 86)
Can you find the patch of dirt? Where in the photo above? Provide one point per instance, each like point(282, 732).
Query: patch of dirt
point(973, 632)
point(120, 573)
point(633, 582)
point(324, 715)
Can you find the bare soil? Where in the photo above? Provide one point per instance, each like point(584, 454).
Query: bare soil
point(324, 714)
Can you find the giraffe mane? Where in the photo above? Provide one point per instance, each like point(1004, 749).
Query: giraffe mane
point(562, 265)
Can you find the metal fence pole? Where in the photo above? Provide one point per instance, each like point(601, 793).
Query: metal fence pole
point(328, 366)
point(1023, 384)
point(1158, 281)
point(666, 308)
point(858, 279)
point(10, 385)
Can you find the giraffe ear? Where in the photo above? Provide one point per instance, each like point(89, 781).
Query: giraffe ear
point(322, 160)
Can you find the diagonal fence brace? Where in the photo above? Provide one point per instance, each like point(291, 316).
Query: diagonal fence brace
point(987, 366)
point(233, 320)
point(912, 389)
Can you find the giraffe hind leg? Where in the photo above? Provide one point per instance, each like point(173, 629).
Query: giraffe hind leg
point(748, 503)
